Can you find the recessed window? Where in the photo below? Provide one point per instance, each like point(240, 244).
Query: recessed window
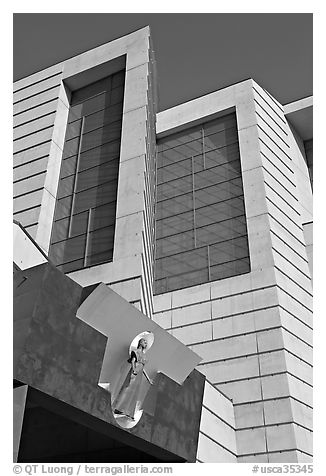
point(84, 222)
point(201, 230)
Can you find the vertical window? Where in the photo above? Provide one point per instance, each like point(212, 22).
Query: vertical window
point(201, 231)
point(84, 222)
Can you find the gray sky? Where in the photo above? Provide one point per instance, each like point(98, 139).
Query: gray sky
point(195, 53)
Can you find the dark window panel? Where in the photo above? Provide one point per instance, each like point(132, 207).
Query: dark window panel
point(105, 116)
point(73, 129)
point(99, 155)
point(180, 138)
point(97, 175)
point(174, 206)
point(68, 167)
point(220, 124)
point(66, 186)
point(96, 103)
point(93, 89)
point(230, 250)
point(100, 241)
point(103, 216)
point(221, 139)
point(174, 171)
point(71, 147)
point(118, 79)
point(95, 196)
point(62, 208)
point(210, 195)
point(221, 231)
point(184, 262)
point(175, 224)
point(72, 266)
point(100, 258)
point(175, 243)
point(99, 136)
point(68, 250)
point(174, 188)
point(218, 174)
point(227, 270)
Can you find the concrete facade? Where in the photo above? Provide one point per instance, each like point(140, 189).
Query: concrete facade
point(253, 331)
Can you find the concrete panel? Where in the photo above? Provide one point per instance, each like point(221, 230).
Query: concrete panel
point(300, 390)
point(276, 187)
point(127, 238)
point(136, 88)
point(232, 305)
point(292, 241)
point(262, 277)
point(191, 314)
point(32, 140)
point(251, 441)
point(265, 298)
point(276, 145)
point(277, 179)
point(130, 198)
point(261, 458)
point(225, 327)
point(267, 318)
point(283, 457)
point(28, 217)
point(32, 154)
point(249, 149)
point(162, 302)
point(289, 253)
point(272, 362)
point(53, 169)
point(281, 437)
point(45, 220)
point(37, 88)
point(218, 403)
point(249, 415)
point(296, 327)
point(245, 106)
point(284, 219)
point(210, 452)
point(191, 295)
point(304, 439)
point(273, 162)
point(34, 126)
point(278, 411)
point(302, 414)
point(217, 430)
point(195, 333)
point(300, 369)
point(294, 290)
point(35, 113)
point(226, 371)
point(267, 113)
point(254, 192)
point(35, 101)
point(233, 285)
point(243, 391)
point(130, 267)
point(29, 200)
point(32, 230)
point(292, 272)
point(294, 307)
point(163, 319)
point(31, 168)
point(61, 119)
point(133, 136)
point(195, 110)
point(226, 348)
point(297, 347)
point(275, 386)
point(36, 77)
point(270, 340)
point(29, 185)
point(130, 290)
point(261, 256)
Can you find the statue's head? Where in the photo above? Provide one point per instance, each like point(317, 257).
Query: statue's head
point(142, 343)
